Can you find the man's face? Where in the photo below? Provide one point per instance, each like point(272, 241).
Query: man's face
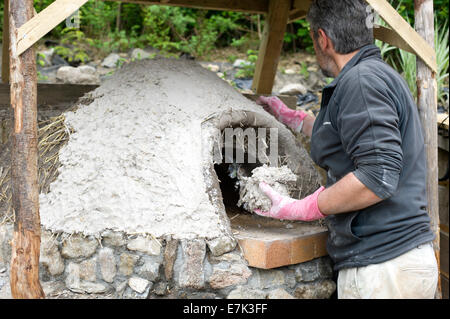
point(325, 62)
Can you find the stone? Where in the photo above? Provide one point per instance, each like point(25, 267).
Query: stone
point(243, 292)
point(88, 269)
point(221, 245)
point(279, 293)
point(78, 246)
point(236, 274)
point(93, 287)
point(140, 54)
point(234, 256)
point(160, 288)
point(87, 69)
point(58, 60)
point(290, 71)
point(74, 283)
point(270, 278)
point(6, 232)
point(127, 263)
point(107, 264)
point(213, 68)
point(111, 61)
point(44, 58)
point(150, 268)
point(239, 63)
point(144, 245)
point(80, 75)
point(72, 276)
point(112, 238)
point(120, 287)
point(138, 284)
point(321, 289)
point(170, 254)
point(191, 270)
point(319, 268)
point(129, 293)
point(293, 89)
point(307, 271)
point(50, 256)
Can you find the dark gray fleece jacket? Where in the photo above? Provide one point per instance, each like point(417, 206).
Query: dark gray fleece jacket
point(368, 124)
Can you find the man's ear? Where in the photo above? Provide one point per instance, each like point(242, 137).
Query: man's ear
point(322, 39)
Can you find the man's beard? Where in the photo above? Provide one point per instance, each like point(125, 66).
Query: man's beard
point(327, 73)
point(326, 66)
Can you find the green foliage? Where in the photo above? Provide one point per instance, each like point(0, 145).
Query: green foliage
point(442, 58)
point(304, 70)
point(247, 70)
point(192, 31)
point(74, 46)
point(405, 62)
point(303, 35)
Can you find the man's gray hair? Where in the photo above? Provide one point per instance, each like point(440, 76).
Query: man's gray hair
point(343, 21)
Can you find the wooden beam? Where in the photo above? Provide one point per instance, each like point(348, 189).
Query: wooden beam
point(5, 43)
point(427, 104)
point(45, 21)
point(390, 36)
point(302, 5)
point(54, 96)
point(420, 47)
point(296, 14)
point(271, 45)
point(251, 6)
point(24, 274)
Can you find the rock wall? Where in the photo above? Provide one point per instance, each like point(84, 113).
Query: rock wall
point(136, 267)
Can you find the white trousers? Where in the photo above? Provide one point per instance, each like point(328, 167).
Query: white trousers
point(413, 275)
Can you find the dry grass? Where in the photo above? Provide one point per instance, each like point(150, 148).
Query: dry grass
point(52, 135)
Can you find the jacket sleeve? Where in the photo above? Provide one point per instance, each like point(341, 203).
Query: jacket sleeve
point(368, 125)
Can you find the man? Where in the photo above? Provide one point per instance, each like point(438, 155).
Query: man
point(368, 137)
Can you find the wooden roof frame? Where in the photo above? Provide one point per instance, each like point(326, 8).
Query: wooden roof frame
point(19, 66)
point(280, 12)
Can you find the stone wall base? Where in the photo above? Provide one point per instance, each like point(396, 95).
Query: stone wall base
point(130, 267)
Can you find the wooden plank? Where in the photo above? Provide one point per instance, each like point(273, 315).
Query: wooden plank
point(390, 36)
point(271, 45)
point(24, 273)
point(5, 44)
point(53, 96)
point(302, 5)
point(267, 243)
point(295, 15)
point(45, 21)
point(427, 105)
point(250, 6)
point(420, 47)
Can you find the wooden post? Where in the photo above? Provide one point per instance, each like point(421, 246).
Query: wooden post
point(5, 43)
point(427, 104)
point(24, 274)
point(271, 45)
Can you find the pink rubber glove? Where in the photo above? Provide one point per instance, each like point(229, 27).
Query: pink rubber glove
point(284, 207)
point(291, 118)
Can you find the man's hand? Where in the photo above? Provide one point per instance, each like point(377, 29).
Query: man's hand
point(284, 207)
point(277, 108)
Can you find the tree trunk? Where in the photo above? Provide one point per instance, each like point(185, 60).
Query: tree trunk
point(24, 274)
point(427, 105)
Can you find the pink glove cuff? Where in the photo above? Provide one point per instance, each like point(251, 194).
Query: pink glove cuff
point(291, 118)
point(306, 209)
